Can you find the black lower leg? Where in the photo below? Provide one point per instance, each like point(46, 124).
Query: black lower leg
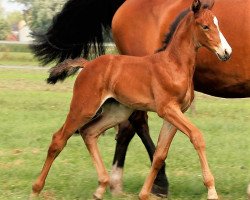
point(124, 136)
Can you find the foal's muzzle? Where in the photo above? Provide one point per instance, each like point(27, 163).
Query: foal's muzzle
point(225, 56)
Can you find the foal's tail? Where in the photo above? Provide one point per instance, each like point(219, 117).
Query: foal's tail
point(65, 69)
point(76, 30)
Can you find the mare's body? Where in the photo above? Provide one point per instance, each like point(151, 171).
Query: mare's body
point(230, 79)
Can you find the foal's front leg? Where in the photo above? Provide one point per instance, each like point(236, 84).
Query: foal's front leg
point(138, 122)
point(179, 120)
point(165, 138)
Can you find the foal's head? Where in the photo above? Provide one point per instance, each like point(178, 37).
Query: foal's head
point(206, 29)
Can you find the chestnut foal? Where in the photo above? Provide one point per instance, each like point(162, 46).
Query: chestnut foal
point(111, 87)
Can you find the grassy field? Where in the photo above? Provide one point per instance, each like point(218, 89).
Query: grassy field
point(18, 59)
point(30, 111)
point(11, 58)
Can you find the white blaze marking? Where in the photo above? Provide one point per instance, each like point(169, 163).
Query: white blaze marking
point(224, 46)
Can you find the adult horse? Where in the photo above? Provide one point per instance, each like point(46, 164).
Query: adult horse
point(102, 98)
point(139, 28)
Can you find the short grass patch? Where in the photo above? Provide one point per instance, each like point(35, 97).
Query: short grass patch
point(24, 56)
point(18, 59)
point(31, 110)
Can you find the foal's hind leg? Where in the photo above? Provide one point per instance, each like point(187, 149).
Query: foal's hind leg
point(113, 114)
point(59, 141)
point(82, 110)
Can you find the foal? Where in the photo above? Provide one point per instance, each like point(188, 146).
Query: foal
point(111, 87)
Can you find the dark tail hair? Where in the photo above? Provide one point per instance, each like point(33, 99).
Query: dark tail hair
point(75, 30)
point(65, 69)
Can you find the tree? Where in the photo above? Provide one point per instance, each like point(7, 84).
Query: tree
point(4, 28)
point(39, 13)
point(27, 3)
point(14, 18)
point(1, 9)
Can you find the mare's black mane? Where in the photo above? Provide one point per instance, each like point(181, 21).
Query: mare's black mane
point(172, 29)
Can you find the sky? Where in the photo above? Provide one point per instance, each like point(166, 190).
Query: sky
point(10, 7)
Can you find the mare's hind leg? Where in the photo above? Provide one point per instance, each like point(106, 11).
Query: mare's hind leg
point(138, 122)
point(113, 113)
point(123, 138)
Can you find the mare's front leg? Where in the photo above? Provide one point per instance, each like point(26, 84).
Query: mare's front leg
point(165, 138)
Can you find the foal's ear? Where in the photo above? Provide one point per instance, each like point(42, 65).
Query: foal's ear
point(202, 4)
point(207, 4)
point(196, 6)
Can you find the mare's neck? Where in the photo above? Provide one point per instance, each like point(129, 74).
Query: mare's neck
point(183, 48)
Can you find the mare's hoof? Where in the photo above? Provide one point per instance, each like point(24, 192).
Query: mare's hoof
point(116, 193)
point(159, 191)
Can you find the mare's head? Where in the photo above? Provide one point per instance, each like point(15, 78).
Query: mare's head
point(206, 29)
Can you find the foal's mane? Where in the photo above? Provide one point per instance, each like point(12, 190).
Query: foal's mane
point(172, 29)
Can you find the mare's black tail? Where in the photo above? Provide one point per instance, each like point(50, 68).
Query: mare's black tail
point(76, 29)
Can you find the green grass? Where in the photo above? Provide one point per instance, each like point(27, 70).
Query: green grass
point(26, 58)
point(18, 59)
point(30, 111)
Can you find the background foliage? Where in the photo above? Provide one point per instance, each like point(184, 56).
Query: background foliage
point(40, 13)
point(4, 28)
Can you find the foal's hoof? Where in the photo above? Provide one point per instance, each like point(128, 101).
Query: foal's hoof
point(97, 197)
point(213, 198)
point(33, 195)
point(212, 194)
point(159, 191)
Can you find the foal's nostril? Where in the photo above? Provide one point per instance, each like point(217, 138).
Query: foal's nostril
point(226, 53)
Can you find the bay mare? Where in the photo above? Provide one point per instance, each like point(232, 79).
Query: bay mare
point(143, 34)
point(162, 83)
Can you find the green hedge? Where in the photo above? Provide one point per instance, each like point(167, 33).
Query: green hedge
point(14, 48)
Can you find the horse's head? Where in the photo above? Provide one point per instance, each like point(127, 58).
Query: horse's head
point(207, 31)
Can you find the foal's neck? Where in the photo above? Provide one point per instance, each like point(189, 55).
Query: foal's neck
point(183, 48)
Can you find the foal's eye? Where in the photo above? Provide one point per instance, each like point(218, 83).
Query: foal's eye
point(205, 27)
